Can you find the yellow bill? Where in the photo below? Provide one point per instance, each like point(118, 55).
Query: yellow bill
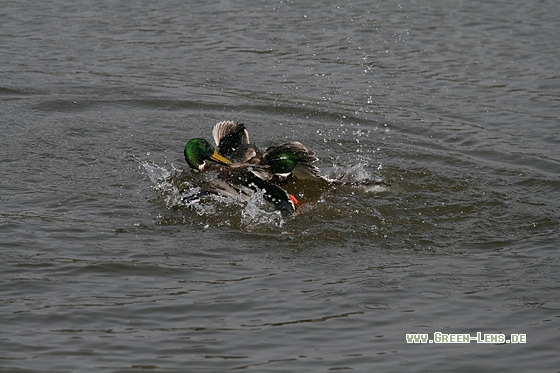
point(216, 157)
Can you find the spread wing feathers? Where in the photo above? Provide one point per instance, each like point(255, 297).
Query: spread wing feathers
point(229, 135)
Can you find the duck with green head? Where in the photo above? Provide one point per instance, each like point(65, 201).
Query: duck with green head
point(235, 181)
point(289, 165)
point(199, 151)
point(278, 163)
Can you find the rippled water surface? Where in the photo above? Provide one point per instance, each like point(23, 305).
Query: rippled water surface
point(454, 104)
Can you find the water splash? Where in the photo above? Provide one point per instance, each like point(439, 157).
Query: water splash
point(257, 213)
point(359, 176)
point(165, 182)
point(178, 191)
point(357, 173)
point(181, 195)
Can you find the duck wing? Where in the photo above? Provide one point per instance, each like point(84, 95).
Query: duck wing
point(258, 177)
point(232, 140)
point(229, 136)
point(246, 154)
point(236, 192)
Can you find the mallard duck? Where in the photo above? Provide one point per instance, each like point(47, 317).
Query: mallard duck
point(241, 168)
point(237, 181)
point(277, 163)
point(288, 162)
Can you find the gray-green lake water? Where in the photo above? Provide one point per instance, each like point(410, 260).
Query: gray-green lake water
point(455, 104)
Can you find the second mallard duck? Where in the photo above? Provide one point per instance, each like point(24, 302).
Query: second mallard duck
point(277, 163)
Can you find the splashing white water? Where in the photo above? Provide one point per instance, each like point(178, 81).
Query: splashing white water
point(256, 214)
point(161, 179)
point(359, 176)
point(358, 172)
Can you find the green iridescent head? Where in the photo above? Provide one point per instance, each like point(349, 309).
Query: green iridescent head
point(282, 159)
point(282, 162)
point(198, 151)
